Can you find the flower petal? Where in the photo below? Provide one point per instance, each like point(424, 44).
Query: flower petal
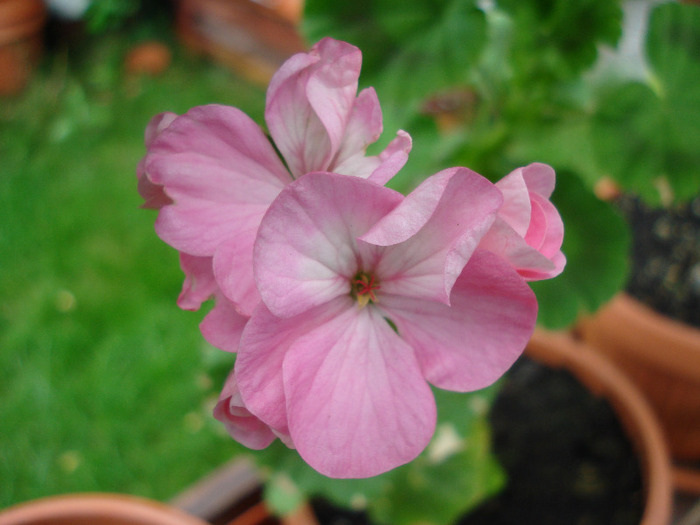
point(199, 282)
point(433, 232)
point(392, 159)
point(540, 178)
point(470, 344)
point(309, 102)
point(218, 168)
point(516, 201)
point(356, 400)
point(528, 236)
point(153, 194)
point(363, 128)
point(233, 269)
point(306, 251)
point(223, 325)
point(243, 426)
point(264, 343)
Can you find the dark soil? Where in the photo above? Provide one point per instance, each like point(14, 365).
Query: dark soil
point(665, 272)
point(567, 459)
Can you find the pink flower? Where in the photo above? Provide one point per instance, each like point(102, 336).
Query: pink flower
point(213, 173)
point(528, 231)
point(367, 298)
point(223, 325)
point(243, 426)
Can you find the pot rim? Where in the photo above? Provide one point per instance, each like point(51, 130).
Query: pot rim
point(650, 334)
point(96, 506)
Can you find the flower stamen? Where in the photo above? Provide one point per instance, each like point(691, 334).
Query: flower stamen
point(364, 287)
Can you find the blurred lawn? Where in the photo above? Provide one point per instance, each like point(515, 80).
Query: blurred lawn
point(105, 385)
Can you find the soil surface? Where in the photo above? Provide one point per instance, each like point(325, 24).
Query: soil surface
point(566, 456)
point(665, 272)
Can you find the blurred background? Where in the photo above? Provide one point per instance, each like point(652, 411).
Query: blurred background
point(104, 383)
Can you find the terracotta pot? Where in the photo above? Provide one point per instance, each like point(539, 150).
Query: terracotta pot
point(662, 357)
point(95, 509)
point(603, 378)
point(252, 37)
point(21, 42)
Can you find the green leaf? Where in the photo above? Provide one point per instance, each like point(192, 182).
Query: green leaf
point(673, 39)
point(596, 244)
point(643, 133)
point(559, 39)
point(410, 50)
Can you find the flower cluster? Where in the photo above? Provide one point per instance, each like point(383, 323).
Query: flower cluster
point(343, 299)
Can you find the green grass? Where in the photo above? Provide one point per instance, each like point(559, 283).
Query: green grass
point(105, 385)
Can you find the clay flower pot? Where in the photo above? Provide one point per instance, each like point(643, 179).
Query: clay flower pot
point(252, 37)
point(603, 378)
point(21, 42)
point(662, 357)
point(95, 509)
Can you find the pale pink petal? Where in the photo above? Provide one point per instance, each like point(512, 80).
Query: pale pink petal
point(546, 231)
point(223, 325)
point(153, 194)
point(363, 128)
point(433, 232)
point(239, 422)
point(309, 102)
point(470, 344)
point(504, 241)
point(530, 235)
point(233, 268)
point(218, 168)
point(356, 400)
point(516, 201)
point(156, 125)
point(306, 251)
point(392, 159)
point(264, 343)
point(540, 179)
point(199, 282)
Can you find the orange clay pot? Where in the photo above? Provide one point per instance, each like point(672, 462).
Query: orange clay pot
point(662, 357)
point(254, 37)
point(21, 42)
point(603, 378)
point(95, 509)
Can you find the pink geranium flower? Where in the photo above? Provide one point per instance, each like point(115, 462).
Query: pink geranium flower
point(367, 298)
point(528, 230)
point(213, 172)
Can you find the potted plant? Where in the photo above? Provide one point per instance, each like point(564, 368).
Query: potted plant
point(659, 351)
point(531, 88)
point(278, 329)
point(236, 489)
point(21, 42)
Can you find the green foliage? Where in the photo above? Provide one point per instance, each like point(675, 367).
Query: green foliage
point(105, 384)
point(596, 251)
point(521, 68)
point(646, 132)
point(455, 472)
point(555, 40)
point(102, 15)
point(438, 39)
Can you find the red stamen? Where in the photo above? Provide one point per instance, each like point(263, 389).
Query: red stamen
point(365, 286)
